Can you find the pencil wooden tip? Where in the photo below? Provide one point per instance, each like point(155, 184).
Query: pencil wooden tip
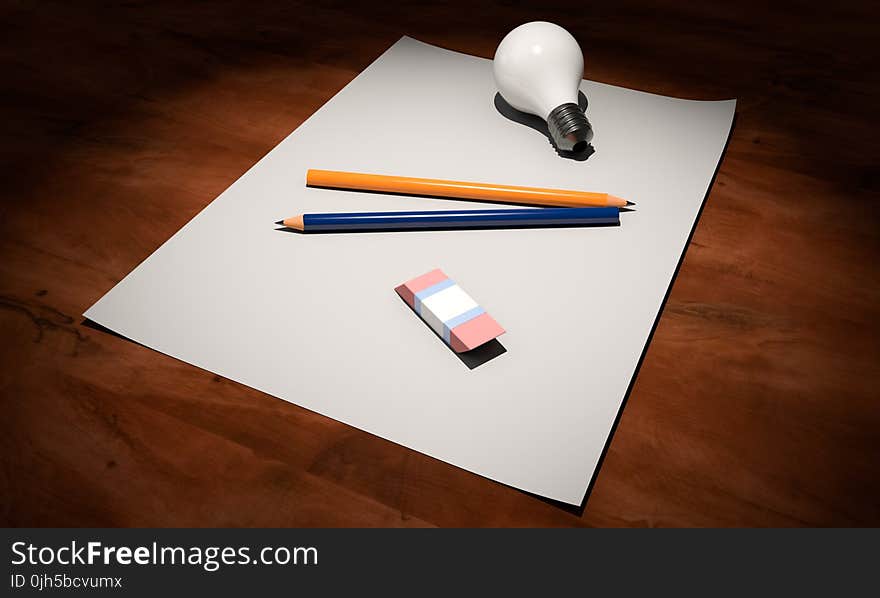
point(613, 200)
point(294, 222)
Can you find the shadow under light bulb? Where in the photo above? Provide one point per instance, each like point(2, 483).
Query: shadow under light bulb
point(538, 69)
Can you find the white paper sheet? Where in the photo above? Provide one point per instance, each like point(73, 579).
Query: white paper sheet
point(314, 319)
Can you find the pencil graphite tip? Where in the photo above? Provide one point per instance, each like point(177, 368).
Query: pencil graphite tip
point(630, 203)
point(279, 222)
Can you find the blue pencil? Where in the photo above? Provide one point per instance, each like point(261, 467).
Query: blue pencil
point(453, 219)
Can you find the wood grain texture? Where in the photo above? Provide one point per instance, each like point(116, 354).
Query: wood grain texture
point(756, 405)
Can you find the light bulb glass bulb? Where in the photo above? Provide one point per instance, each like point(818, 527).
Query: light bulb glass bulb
point(538, 68)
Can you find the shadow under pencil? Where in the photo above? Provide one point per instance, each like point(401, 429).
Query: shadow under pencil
point(428, 196)
point(502, 202)
point(286, 229)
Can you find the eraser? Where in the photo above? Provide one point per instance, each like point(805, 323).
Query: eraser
point(451, 312)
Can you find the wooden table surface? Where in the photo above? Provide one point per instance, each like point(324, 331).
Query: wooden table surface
point(757, 403)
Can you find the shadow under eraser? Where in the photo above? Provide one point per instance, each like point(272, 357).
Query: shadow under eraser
point(449, 311)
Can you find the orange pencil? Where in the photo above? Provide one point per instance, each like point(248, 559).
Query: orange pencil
point(460, 190)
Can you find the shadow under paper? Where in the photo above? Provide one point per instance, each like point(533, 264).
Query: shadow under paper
point(539, 124)
point(579, 509)
point(100, 328)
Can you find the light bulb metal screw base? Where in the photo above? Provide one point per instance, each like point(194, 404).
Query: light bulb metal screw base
point(569, 128)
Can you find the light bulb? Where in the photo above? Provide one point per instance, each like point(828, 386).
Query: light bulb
point(538, 68)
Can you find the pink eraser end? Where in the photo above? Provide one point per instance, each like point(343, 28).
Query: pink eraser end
point(471, 335)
